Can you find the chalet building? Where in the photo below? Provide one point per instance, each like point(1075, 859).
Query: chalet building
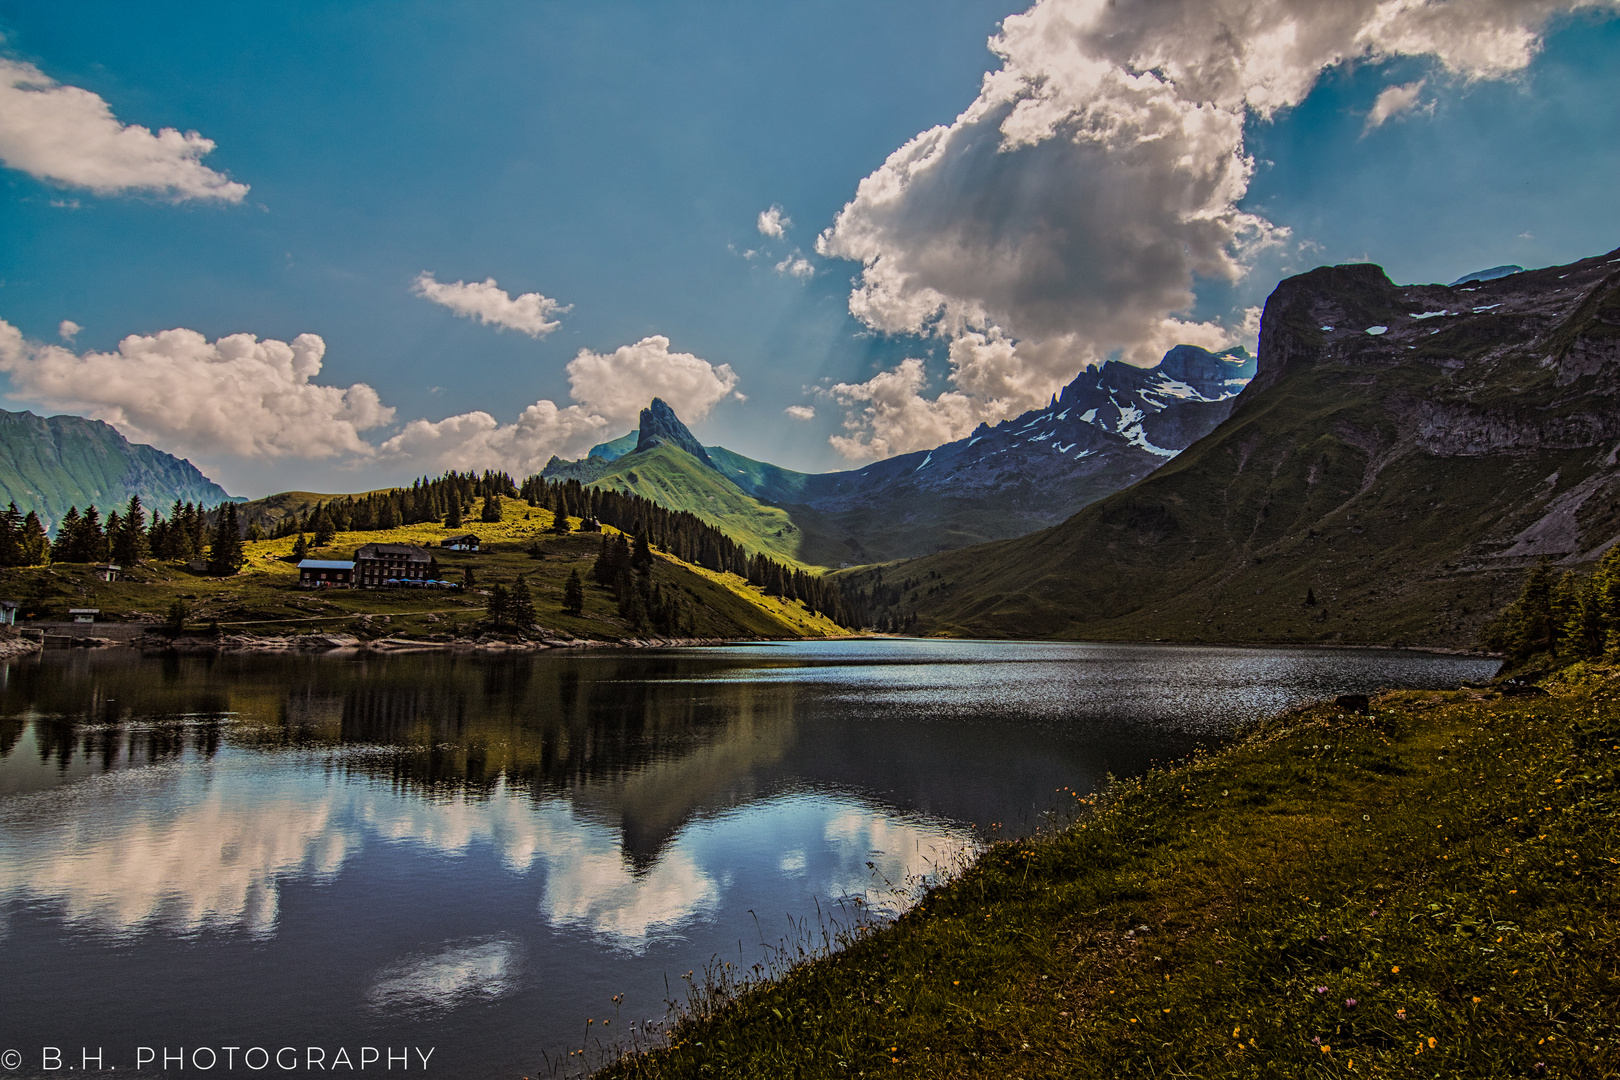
point(378, 564)
point(326, 574)
point(462, 543)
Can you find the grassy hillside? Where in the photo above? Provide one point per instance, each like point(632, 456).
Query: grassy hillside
point(272, 510)
point(1366, 489)
point(674, 479)
point(265, 599)
point(48, 464)
point(1429, 890)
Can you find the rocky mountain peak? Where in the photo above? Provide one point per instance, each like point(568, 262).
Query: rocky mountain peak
point(660, 425)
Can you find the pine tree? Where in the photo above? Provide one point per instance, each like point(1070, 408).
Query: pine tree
point(35, 542)
point(641, 559)
point(300, 548)
point(1526, 628)
point(225, 555)
point(634, 609)
point(452, 518)
point(491, 510)
point(559, 523)
point(128, 541)
point(11, 553)
point(499, 607)
point(520, 605)
point(574, 594)
point(67, 535)
point(321, 525)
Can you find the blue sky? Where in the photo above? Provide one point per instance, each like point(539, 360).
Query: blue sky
point(616, 158)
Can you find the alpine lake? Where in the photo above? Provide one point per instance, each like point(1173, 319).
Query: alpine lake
point(472, 865)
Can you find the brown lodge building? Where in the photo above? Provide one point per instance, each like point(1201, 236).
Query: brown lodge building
point(374, 565)
point(377, 564)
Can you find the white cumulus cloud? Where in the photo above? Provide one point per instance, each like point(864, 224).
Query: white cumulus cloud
point(237, 395)
point(1100, 171)
point(67, 330)
point(611, 390)
point(476, 440)
point(618, 385)
point(68, 135)
point(1392, 101)
point(487, 302)
point(801, 412)
point(774, 223)
point(797, 266)
point(890, 415)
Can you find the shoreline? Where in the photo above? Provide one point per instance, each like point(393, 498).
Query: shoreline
point(1432, 879)
point(157, 641)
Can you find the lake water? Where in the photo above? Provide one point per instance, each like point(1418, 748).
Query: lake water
point(471, 856)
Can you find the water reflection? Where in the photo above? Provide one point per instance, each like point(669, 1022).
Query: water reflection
point(459, 974)
point(166, 848)
point(295, 845)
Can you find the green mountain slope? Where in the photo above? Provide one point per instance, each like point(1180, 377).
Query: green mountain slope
point(48, 464)
point(1401, 455)
point(673, 478)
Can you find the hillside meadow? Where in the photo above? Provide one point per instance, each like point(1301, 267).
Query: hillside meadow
point(264, 599)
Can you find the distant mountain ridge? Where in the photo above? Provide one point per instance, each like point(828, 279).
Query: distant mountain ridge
point(1401, 455)
point(48, 464)
point(1107, 429)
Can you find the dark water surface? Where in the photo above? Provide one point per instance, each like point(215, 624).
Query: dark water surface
point(471, 856)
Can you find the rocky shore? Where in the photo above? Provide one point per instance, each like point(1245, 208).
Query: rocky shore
point(492, 643)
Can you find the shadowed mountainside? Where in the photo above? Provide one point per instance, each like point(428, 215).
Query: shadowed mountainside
point(1401, 454)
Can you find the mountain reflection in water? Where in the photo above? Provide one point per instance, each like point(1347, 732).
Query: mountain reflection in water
point(296, 849)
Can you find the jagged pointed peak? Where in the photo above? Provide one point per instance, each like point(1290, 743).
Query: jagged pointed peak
point(659, 424)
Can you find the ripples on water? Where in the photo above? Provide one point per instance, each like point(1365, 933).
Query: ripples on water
point(479, 853)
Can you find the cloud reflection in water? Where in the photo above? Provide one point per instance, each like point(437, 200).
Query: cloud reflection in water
point(462, 973)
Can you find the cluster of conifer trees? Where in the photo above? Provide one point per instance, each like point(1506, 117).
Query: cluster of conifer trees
point(511, 606)
point(1572, 616)
point(643, 603)
point(127, 538)
point(23, 540)
point(690, 539)
point(446, 498)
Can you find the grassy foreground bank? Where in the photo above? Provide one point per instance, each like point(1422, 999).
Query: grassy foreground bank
point(1427, 890)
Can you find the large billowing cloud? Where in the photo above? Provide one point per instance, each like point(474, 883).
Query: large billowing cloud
point(476, 440)
point(1100, 172)
point(611, 388)
point(487, 302)
point(618, 385)
point(237, 395)
point(70, 136)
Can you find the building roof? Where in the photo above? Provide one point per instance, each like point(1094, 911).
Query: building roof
point(409, 552)
point(464, 538)
point(325, 564)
